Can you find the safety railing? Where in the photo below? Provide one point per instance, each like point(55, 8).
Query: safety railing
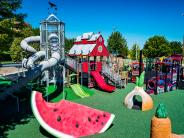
point(71, 62)
point(112, 75)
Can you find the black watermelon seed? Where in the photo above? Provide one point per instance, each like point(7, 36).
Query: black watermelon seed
point(96, 120)
point(102, 123)
point(77, 125)
point(98, 117)
point(104, 115)
point(89, 119)
point(58, 118)
point(55, 110)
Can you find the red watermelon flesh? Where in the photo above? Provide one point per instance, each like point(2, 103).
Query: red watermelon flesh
point(68, 119)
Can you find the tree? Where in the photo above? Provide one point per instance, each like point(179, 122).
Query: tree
point(68, 44)
point(6, 38)
point(5, 34)
point(8, 10)
point(117, 44)
point(135, 48)
point(36, 31)
point(16, 52)
point(10, 23)
point(156, 46)
point(176, 47)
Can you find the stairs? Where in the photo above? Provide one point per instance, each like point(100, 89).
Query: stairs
point(113, 76)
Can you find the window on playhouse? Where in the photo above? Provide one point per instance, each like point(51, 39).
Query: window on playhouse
point(91, 59)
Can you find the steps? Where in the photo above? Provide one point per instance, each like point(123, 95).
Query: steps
point(112, 76)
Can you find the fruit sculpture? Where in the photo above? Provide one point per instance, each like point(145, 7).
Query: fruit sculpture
point(161, 124)
point(67, 119)
point(147, 102)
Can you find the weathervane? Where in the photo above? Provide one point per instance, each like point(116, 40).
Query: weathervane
point(52, 6)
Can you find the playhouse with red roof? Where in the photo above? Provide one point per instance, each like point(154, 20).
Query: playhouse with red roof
point(89, 44)
point(86, 56)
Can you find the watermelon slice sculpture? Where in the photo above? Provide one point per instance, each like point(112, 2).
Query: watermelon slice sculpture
point(67, 119)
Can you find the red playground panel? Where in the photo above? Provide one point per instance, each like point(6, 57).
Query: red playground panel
point(85, 67)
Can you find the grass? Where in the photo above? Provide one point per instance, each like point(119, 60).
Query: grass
point(6, 62)
point(127, 123)
point(5, 83)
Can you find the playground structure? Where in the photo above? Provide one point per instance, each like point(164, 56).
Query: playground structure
point(165, 76)
point(118, 65)
point(161, 125)
point(49, 72)
point(135, 70)
point(42, 65)
point(88, 58)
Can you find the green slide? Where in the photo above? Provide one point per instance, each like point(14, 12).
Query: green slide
point(79, 91)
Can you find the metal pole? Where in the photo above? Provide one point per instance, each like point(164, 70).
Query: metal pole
point(177, 80)
point(172, 72)
point(63, 82)
point(165, 86)
point(81, 74)
point(156, 81)
point(89, 79)
point(77, 70)
point(136, 51)
point(140, 63)
point(47, 57)
point(81, 66)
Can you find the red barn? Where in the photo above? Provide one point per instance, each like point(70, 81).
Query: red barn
point(89, 44)
point(87, 54)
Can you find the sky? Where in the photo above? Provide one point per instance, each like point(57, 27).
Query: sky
point(137, 20)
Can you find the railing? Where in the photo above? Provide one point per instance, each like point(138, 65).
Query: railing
point(71, 62)
point(112, 75)
point(106, 70)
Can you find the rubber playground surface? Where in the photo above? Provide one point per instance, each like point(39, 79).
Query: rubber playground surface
point(127, 123)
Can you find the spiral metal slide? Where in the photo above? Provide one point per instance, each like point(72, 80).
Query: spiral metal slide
point(34, 71)
point(101, 82)
point(79, 91)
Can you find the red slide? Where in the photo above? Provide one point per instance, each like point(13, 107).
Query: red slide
point(101, 82)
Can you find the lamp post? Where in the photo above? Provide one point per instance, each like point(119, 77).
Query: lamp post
point(136, 51)
point(81, 65)
point(140, 63)
point(182, 14)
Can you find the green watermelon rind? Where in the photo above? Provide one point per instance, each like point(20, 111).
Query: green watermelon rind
point(53, 131)
point(106, 126)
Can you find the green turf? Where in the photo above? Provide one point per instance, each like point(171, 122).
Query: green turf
point(6, 62)
point(70, 95)
point(127, 123)
point(2, 78)
point(68, 92)
point(5, 83)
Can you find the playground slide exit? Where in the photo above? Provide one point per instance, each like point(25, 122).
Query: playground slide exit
point(101, 82)
point(79, 91)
